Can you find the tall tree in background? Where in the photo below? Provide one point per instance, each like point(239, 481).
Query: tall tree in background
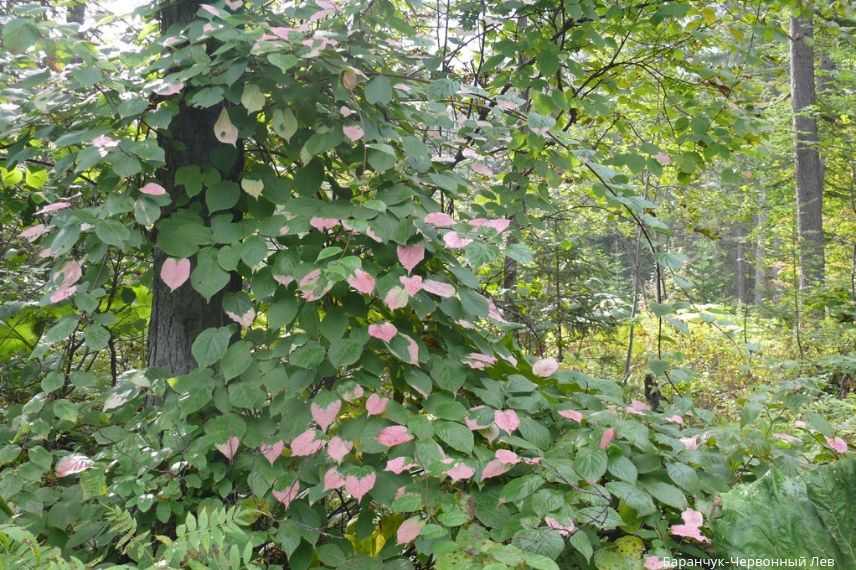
point(809, 170)
point(178, 316)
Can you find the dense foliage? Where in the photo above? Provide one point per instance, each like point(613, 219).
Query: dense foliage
point(344, 284)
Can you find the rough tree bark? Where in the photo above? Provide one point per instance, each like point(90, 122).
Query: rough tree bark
point(809, 170)
point(178, 316)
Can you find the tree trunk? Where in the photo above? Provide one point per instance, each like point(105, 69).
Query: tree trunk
point(760, 228)
point(809, 170)
point(178, 316)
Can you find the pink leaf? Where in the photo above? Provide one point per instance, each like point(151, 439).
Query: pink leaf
point(396, 298)
point(345, 111)
point(412, 351)
point(691, 443)
point(174, 272)
point(398, 465)
point(410, 256)
point(439, 220)
point(638, 408)
point(654, 563)
point(565, 529)
point(408, 531)
point(229, 448)
point(499, 225)
point(383, 331)
point(72, 464)
point(54, 207)
point(454, 240)
point(493, 312)
point(376, 405)
point(338, 448)
point(224, 130)
point(494, 468)
point(663, 158)
point(272, 451)
point(506, 420)
point(675, 420)
point(322, 224)
point(283, 280)
point(72, 272)
point(305, 444)
point(245, 320)
point(309, 279)
point(691, 527)
point(359, 487)
point(479, 360)
point(287, 495)
point(507, 457)
point(607, 438)
point(411, 284)
point(837, 444)
point(439, 288)
point(283, 32)
point(333, 479)
point(353, 132)
point(545, 367)
point(460, 472)
point(153, 189)
point(394, 435)
point(481, 168)
point(62, 294)
point(327, 415)
point(362, 282)
point(234, 4)
point(33, 233)
point(572, 415)
point(354, 394)
point(104, 142)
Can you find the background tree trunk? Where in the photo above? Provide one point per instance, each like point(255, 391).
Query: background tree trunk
point(178, 316)
point(809, 170)
point(760, 230)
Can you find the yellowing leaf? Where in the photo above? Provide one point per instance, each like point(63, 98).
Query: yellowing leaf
point(252, 187)
point(252, 99)
point(284, 123)
point(224, 130)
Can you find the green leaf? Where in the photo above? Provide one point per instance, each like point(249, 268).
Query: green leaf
point(146, 211)
point(666, 494)
point(52, 381)
point(211, 345)
point(636, 498)
point(623, 468)
point(284, 123)
point(521, 487)
point(207, 277)
point(379, 90)
point(252, 98)
point(284, 61)
point(181, 234)
point(345, 352)
point(96, 337)
point(310, 355)
point(590, 463)
point(541, 541)
point(191, 178)
point(236, 360)
point(222, 196)
point(65, 410)
point(455, 435)
point(683, 475)
point(112, 232)
point(282, 312)
point(580, 541)
point(19, 34)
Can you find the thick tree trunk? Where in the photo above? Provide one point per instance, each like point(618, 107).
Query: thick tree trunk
point(809, 170)
point(178, 316)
